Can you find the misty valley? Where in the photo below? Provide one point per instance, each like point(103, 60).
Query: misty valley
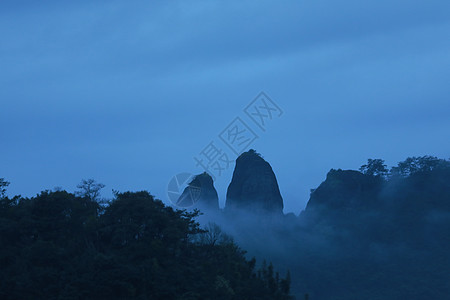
point(368, 234)
point(225, 150)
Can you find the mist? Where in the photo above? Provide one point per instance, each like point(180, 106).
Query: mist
point(363, 234)
point(137, 99)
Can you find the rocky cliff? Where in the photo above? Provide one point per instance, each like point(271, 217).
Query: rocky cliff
point(342, 196)
point(343, 190)
point(254, 187)
point(200, 193)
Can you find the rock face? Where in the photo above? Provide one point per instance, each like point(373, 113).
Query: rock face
point(343, 195)
point(254, 187)
point(343, 189)
point(200, 193)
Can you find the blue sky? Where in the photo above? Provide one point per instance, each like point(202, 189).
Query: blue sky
point(129, 92)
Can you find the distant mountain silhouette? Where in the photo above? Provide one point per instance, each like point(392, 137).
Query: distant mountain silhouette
point(410, 208)
point(254, 187)
point(200, 193)
point(368, 234)
point(343, 194)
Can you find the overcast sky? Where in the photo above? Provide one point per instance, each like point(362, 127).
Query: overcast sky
point(129, 92)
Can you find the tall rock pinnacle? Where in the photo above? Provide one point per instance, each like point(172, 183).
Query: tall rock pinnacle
point(254, 187)
point(200, 193)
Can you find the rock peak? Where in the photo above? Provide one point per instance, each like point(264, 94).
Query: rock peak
point(200, 193)
point(254, 187)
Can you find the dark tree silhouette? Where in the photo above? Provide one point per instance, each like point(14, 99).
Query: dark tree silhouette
point(3, 185)
point(415, 164)
point(58, 246)
point(374, 167)
point(89, 188)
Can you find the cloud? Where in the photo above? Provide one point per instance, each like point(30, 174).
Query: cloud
point(118, 73)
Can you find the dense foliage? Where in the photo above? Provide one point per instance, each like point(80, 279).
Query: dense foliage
point(376, 233)
point(383, 234)
point(61, 246)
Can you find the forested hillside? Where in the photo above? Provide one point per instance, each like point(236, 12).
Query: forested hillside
point(373, 233)
point(61, 246)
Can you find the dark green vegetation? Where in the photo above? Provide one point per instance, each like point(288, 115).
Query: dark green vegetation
point(386, 234)
point(376, 233)
point(61, 246)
